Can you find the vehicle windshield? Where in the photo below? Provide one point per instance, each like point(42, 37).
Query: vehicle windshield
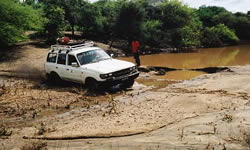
point(92, 56)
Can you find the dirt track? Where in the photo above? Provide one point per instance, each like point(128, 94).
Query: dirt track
point(208, 112)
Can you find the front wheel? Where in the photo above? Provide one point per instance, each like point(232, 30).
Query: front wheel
point(128, 83)
point(92, 85)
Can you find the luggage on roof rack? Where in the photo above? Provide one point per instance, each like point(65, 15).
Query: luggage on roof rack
point(72, 46)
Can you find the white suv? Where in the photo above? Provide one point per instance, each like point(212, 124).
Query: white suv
point(88, 65)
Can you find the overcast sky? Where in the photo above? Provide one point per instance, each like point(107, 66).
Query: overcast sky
point(232, 5)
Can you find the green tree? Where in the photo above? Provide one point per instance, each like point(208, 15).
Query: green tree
point(15, 19)
point(129, 22)
point(90, 20)
point(226, 18)
point(210, 39)
point(72, 12)
point(191, 33)
point(152, 32)
point(108, 9)
point(241, 25)
point(207, 13)
point(238, 22)
point(218, 36)
point(225, 34)
point(54, 19)
point(180, 24)
point(174, 14)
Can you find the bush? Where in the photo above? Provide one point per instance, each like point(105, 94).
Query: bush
point(152, 32)
point(191, 33)
point(15, 19)
point(90, 20)
point(226, 35)
point(210, 39)
point(129, 22)
point(54, 22)
point(174, 14)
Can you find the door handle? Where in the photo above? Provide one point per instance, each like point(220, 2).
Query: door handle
point(67, 69)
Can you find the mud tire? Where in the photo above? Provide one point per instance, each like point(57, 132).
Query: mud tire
point(128, 84)
point(54, 78)
point(92, 85)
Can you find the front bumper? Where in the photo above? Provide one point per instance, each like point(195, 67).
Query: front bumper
point(119, 80)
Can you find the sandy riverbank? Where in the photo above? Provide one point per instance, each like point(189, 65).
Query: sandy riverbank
point(207, 111)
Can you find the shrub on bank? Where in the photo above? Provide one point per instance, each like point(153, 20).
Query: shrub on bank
point(210, 39)
point(218, 36)
point(226, 35)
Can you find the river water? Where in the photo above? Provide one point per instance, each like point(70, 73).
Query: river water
point(204, 57)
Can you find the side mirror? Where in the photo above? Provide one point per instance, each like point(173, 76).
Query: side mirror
point(111, 55)
point(74, 64)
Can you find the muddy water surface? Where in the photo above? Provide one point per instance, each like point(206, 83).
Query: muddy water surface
point(204, 57)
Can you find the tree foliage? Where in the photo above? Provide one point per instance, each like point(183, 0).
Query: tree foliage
point(129, 21)
point(225, 34)
point(210, 39)
point(217, 35)
point(153, 22)
point(108, 9)
point(238, 22)
point(174, 14)
point(90, 19)
point(72, 9)
point(15, 19)
point(207, 13)
point(152, 32)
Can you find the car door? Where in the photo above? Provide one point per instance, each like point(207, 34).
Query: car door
point(74, 72)
point(50, 64)
point(61, 67)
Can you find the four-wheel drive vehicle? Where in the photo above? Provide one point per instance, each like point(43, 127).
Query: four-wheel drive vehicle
point(88, 65)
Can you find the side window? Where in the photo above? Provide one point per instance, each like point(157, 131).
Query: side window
point(61, 59)
point(51, 57)
point(71, 59)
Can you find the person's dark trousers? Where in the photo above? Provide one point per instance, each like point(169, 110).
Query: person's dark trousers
point(137, 59)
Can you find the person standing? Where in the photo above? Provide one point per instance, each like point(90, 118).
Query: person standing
point(136, 51)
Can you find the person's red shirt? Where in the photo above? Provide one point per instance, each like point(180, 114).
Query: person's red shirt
point(135, 46)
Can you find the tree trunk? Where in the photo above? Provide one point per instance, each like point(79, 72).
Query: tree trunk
point(73, 31)
point(111, 44)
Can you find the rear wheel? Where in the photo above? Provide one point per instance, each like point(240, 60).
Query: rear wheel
point(128, 83)
point(54, 78)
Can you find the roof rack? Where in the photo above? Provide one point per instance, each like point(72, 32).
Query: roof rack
point(71, 47)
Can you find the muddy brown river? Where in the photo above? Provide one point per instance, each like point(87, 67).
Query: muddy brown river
point(204, 57)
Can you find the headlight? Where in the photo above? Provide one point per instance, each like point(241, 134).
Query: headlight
point(104, 76)
point(133, 69)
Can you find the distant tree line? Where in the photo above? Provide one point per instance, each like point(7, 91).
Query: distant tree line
point(155, 23)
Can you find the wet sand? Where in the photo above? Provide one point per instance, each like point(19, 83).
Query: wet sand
point(199, 114)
